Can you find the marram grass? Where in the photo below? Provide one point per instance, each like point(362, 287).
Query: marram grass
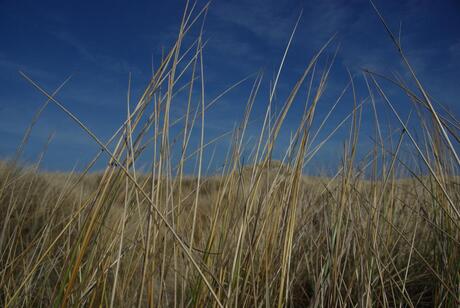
point(383, 231)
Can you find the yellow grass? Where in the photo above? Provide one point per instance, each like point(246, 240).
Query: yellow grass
point(261, 234)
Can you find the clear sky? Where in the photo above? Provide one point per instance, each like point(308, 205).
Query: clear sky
point(100, 42)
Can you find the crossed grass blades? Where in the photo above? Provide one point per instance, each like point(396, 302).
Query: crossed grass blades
point(383, 231)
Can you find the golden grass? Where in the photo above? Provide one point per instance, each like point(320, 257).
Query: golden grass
point(256, 235)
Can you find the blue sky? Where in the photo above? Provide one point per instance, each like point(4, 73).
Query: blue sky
point(100, 42)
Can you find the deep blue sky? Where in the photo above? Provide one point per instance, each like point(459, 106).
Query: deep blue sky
point(100, 42)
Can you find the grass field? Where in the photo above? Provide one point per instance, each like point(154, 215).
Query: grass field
point(384, 231)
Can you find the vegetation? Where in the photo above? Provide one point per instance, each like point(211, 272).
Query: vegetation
point(384, 231)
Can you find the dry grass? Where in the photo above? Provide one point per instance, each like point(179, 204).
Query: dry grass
point(255, 235)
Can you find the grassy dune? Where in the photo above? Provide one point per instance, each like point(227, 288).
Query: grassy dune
point(384, 231)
